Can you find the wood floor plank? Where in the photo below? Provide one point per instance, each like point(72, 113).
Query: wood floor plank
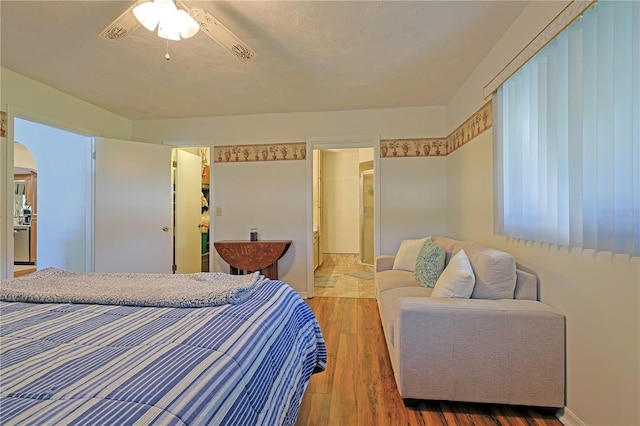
point(323, 383)
point(349, 322)
point(343, 410)
point(431, 413)
point(370, 336)
point(331, 326)
point(358, 387)
point(314, 410)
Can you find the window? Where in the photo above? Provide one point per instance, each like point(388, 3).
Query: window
point(567, 137)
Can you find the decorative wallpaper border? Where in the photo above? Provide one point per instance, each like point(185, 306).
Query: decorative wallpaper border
point(423, 147)
point(479, 122)
point(264, 152)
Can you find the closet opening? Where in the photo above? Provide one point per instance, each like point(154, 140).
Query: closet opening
point(191, 188)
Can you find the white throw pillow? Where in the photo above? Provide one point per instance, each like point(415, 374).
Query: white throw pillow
point(457, 280)
point(407, 254)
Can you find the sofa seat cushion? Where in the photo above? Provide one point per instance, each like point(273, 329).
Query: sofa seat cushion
point(394, 278)
point(388, 306)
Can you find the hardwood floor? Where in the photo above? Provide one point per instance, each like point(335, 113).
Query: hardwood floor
point(358, 387)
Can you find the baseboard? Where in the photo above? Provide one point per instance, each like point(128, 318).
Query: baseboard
point(304, 294)
point(568, 418)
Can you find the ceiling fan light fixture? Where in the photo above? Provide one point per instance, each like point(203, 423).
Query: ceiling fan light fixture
point(168, 32)
point(188, 26)
point(147, 14)
point(166, 9)
point(170, 21)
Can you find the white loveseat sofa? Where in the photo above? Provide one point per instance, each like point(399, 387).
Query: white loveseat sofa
point(500, 346)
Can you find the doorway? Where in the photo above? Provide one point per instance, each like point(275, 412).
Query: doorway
point(191, 198)
point(56, 197)
point(25, 211)
point(343, 222)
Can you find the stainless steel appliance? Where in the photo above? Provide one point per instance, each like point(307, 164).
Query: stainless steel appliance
point(21, 236)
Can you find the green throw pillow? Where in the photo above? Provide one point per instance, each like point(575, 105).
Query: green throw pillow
point(429, 263)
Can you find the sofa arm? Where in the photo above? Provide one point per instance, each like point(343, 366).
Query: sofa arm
point(493, 351)
point(384, 263)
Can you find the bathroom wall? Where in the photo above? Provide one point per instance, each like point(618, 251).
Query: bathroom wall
point(340, 201)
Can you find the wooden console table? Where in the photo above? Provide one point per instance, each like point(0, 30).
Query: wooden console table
point(251, 256)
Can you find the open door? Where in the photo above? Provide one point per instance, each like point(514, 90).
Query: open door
point(188, 190)
point(132, 207)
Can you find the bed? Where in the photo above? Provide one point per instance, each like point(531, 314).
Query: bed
point(145, 349)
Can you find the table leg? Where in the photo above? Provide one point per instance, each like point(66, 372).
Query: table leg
point(272, 271)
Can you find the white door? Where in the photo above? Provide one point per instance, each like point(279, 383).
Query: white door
point(188, 198)
point(132, 207)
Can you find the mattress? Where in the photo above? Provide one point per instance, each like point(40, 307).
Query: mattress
point(98, 364)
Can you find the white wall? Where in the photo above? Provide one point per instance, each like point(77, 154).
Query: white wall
point(598, 292)
point(264, 195)
point(413, 195)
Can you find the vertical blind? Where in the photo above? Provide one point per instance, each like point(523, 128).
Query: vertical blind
point(567, 137)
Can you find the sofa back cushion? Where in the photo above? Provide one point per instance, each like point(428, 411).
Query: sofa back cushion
point(447, 244)
point(495, 270)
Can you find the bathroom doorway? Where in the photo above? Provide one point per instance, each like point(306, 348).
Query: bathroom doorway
point(343, 222)
point(323, 144)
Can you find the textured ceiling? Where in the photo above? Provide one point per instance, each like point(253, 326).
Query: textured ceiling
point(311, 55)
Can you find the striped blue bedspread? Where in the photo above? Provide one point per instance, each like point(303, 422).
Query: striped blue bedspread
point(246, 364)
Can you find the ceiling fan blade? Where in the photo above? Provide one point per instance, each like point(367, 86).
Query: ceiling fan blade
point(123, 25)
point(221, 34)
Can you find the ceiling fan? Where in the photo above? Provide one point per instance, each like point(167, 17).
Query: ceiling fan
point(129, 21)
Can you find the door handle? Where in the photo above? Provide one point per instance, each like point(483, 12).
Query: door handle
point(165, 228)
